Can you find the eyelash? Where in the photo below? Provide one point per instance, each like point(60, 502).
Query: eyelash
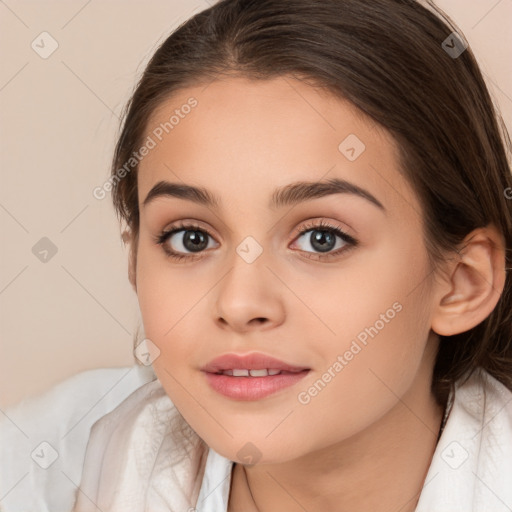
point(351, 242)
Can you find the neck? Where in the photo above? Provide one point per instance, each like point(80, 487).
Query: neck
point(381, 468)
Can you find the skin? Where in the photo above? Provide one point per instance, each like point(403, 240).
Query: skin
point(366, 440)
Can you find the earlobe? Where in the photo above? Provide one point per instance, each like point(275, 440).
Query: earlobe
point(471, 289)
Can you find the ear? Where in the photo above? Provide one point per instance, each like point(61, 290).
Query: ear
point(129, 238)
point(472, 284)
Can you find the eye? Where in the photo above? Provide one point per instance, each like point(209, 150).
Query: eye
point(183, 240)
point(323, 238)
point(185, 237)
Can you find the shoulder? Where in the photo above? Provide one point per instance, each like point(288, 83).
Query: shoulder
point(487, 401)
point(147, 456)
point(43, 438)
point(472, 465)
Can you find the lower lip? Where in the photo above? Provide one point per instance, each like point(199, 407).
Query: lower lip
point(252, 388)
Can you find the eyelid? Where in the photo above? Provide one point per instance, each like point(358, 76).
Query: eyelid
point(321, 223)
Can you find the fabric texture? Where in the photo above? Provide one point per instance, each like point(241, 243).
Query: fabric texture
point(43, 438)
point(142, 457)
point(139, 460)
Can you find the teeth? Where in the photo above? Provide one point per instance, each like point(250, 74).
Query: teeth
point(259, 373)
point(253, 373)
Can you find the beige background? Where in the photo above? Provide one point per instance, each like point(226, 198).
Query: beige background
point(59, 120)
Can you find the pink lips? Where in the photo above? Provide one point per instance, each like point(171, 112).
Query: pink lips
point(251, 387)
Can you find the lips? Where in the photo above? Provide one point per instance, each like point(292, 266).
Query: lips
point(252, 376)
point(254, 361)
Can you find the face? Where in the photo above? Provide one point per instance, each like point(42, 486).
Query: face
point(334, 283)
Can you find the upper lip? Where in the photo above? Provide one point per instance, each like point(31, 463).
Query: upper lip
point(253, 361)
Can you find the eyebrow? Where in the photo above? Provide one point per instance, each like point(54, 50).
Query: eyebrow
point(289, 195)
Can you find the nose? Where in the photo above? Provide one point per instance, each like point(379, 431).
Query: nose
point(249, 297)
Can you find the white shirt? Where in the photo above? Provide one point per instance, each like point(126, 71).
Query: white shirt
point(112, 432)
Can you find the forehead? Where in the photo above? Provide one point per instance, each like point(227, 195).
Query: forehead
point(255, 136)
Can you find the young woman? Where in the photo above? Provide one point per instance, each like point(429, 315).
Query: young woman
point(317, 202)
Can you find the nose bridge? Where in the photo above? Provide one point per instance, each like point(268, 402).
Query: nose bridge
point(249, 290)
point(248, 268)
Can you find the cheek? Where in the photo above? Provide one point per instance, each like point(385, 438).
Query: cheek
point(161, 292)
point(365, 375)
point(157, 293)
point(381, 325)
point(171, 300)
point(372, 370)
point(378, 294)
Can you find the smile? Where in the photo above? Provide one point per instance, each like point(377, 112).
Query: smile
point(252, 373)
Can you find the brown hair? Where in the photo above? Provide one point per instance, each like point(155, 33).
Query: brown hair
point(386, 57)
